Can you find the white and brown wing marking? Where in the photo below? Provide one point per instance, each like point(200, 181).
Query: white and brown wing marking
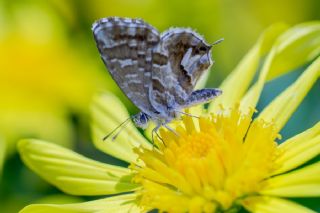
point(179, 59)
point(157, 73)
point(125, 46)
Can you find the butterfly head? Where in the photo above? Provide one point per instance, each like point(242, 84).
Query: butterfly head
point(141, 120)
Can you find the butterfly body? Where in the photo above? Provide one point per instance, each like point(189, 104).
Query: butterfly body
point(157, 72)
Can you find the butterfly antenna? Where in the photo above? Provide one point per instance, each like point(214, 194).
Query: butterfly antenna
point(217, 42)
point(123, 124)
point(120, 130)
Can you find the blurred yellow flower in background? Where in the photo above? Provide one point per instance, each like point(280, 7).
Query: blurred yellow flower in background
point(43, 78)
point(222, 161)
point(47, 79)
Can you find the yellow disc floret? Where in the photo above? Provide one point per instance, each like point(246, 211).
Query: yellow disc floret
point(208, 164)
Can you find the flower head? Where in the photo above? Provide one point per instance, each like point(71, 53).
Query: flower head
point(222, 161)
point(209, 168)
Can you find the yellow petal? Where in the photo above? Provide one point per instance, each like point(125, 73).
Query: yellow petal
point(59, 199)
point(250, 100)
point(2, 154)
point(264, 204)
point(298, 149)
point(295, 47)
point(120, 203)
point(107, 114)
point(203, 80)
point(281, 108)
point(304, 182)
point(300, 139)
point(237, 83)
point(73, 173)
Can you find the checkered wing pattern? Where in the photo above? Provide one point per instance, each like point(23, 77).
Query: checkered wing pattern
point(125, 46)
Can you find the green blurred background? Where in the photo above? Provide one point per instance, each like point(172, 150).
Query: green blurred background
point(50, 68)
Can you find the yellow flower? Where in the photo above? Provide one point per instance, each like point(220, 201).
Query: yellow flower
point(222, 161)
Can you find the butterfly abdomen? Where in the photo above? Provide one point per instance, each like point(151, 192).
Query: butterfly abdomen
point(202, 96)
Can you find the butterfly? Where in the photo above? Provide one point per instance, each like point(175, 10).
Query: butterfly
point(157, 72)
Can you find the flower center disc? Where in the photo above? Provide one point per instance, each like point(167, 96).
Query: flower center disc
point(210, 165)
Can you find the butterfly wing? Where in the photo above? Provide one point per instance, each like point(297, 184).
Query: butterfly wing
point(179, 59)
point(125, 46)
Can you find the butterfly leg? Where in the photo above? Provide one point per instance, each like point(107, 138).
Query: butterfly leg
point(155, 132)
point(170, 129)
point(188, 114)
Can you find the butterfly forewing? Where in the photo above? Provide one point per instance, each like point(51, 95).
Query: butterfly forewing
point(125, 46)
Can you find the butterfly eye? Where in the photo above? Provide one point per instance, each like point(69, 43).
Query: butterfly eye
point(200, 50)
point(203, 49)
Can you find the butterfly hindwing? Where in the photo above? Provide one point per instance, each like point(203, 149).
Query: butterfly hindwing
point(179, 60)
